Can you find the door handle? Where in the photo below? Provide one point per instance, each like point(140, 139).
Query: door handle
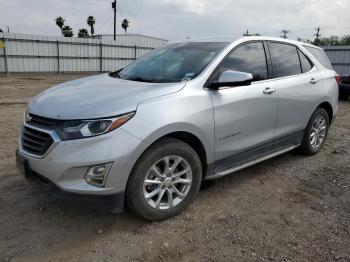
point(269, 91)
point(313, 81)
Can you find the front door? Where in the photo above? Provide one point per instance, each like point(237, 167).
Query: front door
point(245, 115)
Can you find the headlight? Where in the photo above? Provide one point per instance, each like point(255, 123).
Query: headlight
point(76, 129)
point(26, 117)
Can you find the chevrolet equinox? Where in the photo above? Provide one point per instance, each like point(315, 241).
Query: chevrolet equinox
point(147, 135)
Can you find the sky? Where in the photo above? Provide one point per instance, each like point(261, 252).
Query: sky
point(180, 19)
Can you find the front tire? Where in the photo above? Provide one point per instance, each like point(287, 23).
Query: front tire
point(316, 132)
point(165, 180)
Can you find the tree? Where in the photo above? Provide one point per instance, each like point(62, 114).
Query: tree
point(67, 31)
point(333, 41)
point(60, 23)
point(91, 22)
point(125, 24)
point(345, 40)
point(83, 33)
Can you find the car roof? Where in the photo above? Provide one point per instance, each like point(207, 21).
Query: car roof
point(245, 39)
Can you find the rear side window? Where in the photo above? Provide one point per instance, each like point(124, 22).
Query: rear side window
point(306, 66)
point(248, 58)
point(285, 59)
point(320, 55)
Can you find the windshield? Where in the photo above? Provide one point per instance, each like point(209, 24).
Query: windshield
point(172, 63)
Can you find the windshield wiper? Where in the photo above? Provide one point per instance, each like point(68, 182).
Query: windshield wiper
point(140, 79)
point(114, 74)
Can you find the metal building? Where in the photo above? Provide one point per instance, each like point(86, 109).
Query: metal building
point(340, 58)
point(132, 39)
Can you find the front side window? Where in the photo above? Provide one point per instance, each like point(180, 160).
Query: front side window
point(173, 63)
point(285, 59)
point(248, 58)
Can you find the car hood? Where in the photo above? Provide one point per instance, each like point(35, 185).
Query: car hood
point(96, 97)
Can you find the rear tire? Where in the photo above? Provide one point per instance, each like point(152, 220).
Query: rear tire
point(316, 132)
point(155, 189)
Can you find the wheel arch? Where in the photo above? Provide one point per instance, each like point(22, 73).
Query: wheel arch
point(196, 140)
point(328, 107)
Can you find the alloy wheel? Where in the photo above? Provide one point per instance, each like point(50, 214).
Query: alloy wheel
point(318, 132)
point(167, 182)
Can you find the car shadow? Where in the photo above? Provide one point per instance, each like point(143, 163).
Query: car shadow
point(32, 216)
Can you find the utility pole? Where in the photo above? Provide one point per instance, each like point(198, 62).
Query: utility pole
point(114, 7)
point(246, 33)
point(318, 29)
point(285, 32)
point(317, 35)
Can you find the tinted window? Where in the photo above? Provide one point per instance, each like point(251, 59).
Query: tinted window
point(249, 58)
point(285, 59)
point(320, 55)
point(306, 66)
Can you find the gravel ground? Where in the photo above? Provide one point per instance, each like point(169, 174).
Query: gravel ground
point(291, 208)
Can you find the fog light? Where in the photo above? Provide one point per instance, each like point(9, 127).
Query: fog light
point(97, 175)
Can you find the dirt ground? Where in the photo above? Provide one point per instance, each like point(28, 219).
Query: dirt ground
point(291, 208)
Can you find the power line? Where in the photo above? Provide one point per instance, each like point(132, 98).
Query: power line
point(108, 18)
point(119, 8)
point(110, 26)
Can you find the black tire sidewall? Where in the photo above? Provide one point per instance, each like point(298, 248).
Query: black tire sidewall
point(162, 148)
point(306, 144)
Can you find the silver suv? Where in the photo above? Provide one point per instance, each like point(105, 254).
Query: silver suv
point(147, 135)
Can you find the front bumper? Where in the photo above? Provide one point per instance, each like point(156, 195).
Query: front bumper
point(110, 202)
point(62, 170)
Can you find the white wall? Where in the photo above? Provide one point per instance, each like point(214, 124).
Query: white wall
point(47, 54)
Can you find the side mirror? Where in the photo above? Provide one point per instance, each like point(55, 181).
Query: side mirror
point(232, 78)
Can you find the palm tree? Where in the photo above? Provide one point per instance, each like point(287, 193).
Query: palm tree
point(91, 21)
point(125, 24)
point(60, 23)
point(83, 33)
point(67, 31)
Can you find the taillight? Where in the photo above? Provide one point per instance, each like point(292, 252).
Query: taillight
point(338, 78)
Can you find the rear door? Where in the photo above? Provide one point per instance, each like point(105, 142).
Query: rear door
point(297, 82)
point(244, 115)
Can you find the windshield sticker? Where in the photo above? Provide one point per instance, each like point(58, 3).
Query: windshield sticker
point(188, 77)
point(189, 74)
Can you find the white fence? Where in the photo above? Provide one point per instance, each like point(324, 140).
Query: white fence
point(21, 53)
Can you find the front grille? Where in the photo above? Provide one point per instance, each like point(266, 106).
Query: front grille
point(44, 122)
point(35, 142)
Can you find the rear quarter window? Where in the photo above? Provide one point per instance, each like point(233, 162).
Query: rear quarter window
point(320, 55)
point(306, 65)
